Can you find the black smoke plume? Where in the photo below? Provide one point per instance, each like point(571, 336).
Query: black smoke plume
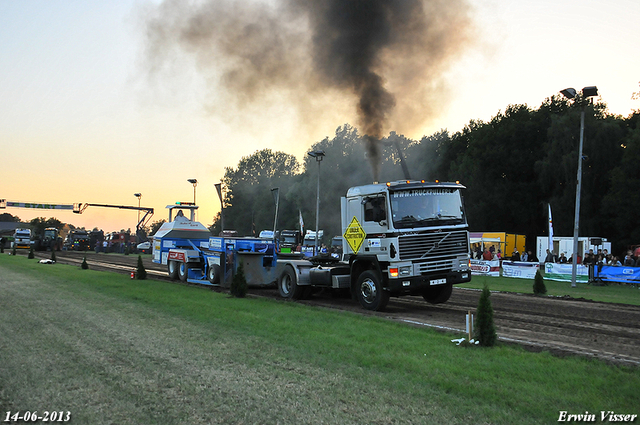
point(386, 57)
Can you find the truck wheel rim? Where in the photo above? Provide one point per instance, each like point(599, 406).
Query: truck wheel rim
point(286, 285)
point(368, 290)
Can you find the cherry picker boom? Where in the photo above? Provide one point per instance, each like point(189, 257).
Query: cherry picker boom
point(80, 207)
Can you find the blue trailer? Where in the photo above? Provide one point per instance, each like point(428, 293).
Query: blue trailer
point(192, 255)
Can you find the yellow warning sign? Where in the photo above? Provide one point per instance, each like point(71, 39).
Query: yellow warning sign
point(354, 235)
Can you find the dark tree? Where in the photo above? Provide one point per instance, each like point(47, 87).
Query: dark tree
point(485, 328)
point(141, 272)
point(239, 283)
point(539, 287)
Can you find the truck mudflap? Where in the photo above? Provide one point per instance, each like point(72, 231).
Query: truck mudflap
point(416, 284)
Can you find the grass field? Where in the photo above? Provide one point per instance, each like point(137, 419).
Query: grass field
point(112, 350)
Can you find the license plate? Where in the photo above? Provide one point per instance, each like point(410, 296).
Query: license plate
point(438, 281)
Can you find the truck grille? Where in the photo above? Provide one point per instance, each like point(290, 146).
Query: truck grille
point(436, 251)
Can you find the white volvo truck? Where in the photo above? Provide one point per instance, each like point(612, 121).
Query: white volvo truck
point(399, 238)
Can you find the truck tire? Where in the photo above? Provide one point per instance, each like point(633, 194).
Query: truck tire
point(438, 294)
point(369, 291)
point(172, 268)
point(183, 271)
point(288, 285)
point(213, 274)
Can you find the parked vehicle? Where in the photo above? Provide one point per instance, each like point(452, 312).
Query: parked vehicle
point(21, 239)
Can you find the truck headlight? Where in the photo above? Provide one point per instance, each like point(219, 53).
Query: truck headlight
point(405, 271)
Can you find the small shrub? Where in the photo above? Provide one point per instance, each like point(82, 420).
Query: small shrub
point(141, 273)
point(13, 251)
point(84, 264)
point(538, 284)
point(53, 255)
point(485, 328)
point(31, 255)
point(239, 283)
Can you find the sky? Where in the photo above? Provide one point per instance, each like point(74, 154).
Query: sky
point(83, 119)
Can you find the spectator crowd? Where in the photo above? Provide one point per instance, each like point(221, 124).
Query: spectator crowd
point(601, 257)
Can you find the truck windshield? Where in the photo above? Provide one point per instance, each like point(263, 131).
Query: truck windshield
point(426, 207)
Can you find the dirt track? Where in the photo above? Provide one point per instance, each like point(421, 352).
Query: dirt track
point(562, 326)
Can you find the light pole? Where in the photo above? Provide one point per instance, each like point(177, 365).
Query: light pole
point(194, 182)
point(570, 93)
point(318, 155)
point(219, 190)
point(139, 196)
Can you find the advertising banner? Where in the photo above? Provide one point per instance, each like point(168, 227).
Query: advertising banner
point(562, 272)
point(623, 274)
point(40, 206)
point(485, 268)
point(520, 269)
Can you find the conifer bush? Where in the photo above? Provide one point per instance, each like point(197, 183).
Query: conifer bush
point(141, 272)
point(485, 328)
point(538, 284)
point(84, 264)
point(239, 283)
point(53, 255)
point(31, 255)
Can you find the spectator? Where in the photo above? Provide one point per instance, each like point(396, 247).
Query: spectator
point(487, 255)
point(532, 257)
point(588, 258)
point(499, 255)
point(525, 256)
point(562, 259)
point(615, 262)
point(549, 258)
point(628, 260)
point(515, 256)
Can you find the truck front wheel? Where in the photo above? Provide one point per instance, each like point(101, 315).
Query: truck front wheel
point(288, 285)
point(438, 294)
point(182, 271)
point(370, 292)
point(172, 267)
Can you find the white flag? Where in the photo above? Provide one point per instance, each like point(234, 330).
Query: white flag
point(301, 223)
point(550, 230)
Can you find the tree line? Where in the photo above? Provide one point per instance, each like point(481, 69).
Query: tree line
point(513, 166)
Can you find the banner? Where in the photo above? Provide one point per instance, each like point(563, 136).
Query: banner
point(39, 206)
point(562, 272)
point(485, 268)
point(520, 269)
point(623, 274)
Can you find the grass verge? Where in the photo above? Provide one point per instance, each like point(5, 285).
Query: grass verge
point(114, 350)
